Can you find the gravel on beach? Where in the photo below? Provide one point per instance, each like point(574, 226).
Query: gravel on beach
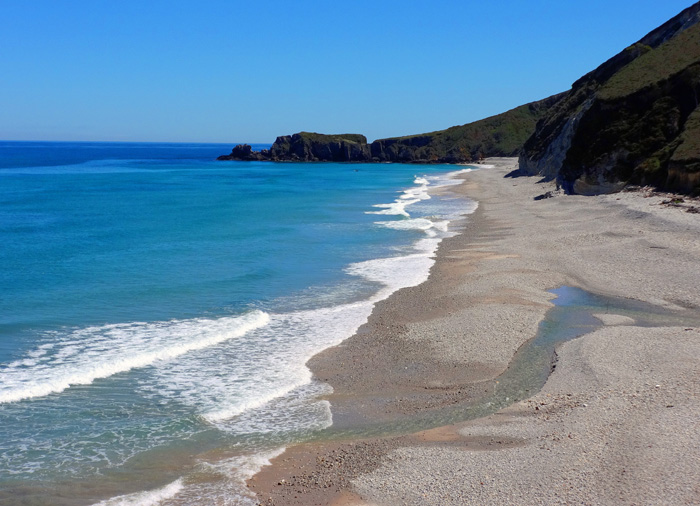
point(617, 421)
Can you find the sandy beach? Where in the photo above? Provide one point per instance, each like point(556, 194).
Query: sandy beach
point(616, 421)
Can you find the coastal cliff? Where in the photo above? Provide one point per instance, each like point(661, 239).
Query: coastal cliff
point(500, 135)
point(307, 147)
point(633, 120)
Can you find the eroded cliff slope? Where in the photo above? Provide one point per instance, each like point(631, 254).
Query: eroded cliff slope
point(635, 119)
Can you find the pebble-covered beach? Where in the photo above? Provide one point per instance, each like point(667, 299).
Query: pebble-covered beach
point(615, 422)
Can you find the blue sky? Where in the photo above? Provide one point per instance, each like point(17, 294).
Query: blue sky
point(228, 71)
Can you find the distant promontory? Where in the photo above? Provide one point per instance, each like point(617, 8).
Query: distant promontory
point(501, 135)
point(635, 120)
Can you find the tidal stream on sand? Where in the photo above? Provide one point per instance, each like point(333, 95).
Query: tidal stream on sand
point(571, 316)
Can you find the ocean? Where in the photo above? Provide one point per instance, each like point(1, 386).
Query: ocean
point(157, 308)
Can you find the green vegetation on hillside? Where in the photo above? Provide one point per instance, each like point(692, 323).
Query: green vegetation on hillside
point(684, 166)
point(315, 137)
point(689, 148)
point(503, 134)
point(632, 120)
point(500, 135)
point(655, 65)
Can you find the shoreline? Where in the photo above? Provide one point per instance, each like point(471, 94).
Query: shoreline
point(445, 341)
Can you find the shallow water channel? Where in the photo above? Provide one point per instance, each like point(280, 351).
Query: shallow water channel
point(571, 317)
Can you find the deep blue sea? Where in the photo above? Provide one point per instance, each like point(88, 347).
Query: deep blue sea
point(157, 308)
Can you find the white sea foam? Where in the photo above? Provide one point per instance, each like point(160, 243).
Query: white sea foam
point(412, 269)
point(411, 224)
point(147, 498)
point(431, 227)
point(247, 466)
point(283, 394)
point(257, 384)
point(226, 481)
point(416, 194)
point(259, 401)
point(395, 272)
point(408, 197)
point(393, 209)
point(225, 484)
point(301, 409)
point(248, 375)
point(451, 177)
point(84, 355)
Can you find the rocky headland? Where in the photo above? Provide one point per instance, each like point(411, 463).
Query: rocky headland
point(307, 147)
point(500, 135)
point(635, 120)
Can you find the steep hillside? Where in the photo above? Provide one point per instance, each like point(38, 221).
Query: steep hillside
point(635, 119)
point(501, 135)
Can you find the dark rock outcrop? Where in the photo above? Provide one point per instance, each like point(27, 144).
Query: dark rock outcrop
point(307, 147)
point(635, 119)
point(312, 147)
point(245, 152)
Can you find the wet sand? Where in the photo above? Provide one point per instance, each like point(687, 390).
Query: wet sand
point(620, 410)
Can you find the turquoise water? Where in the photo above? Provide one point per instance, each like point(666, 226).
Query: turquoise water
point(157, 309)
